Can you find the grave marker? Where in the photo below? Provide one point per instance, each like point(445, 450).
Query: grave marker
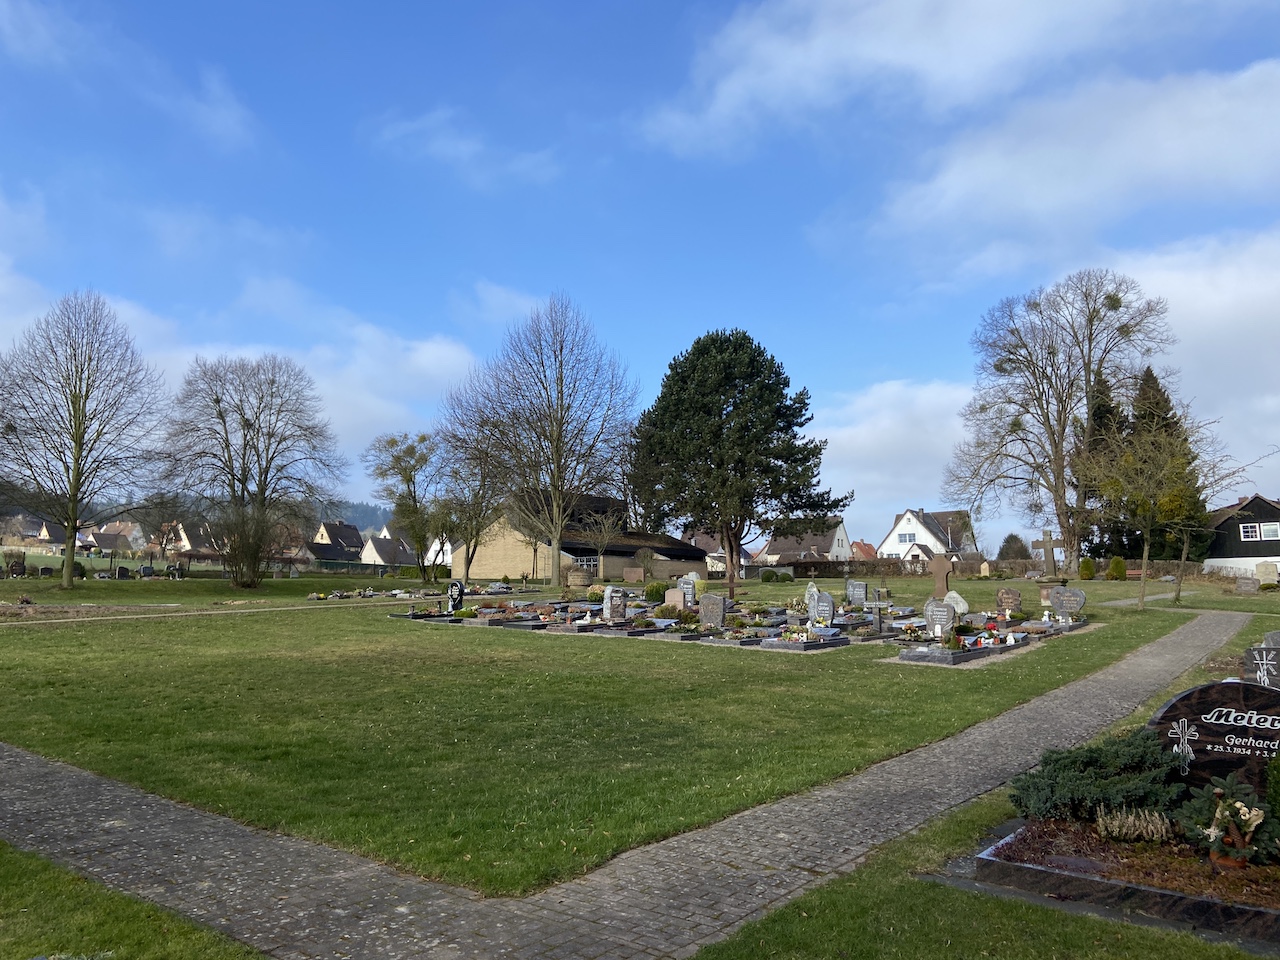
point(455, 594)
point(711, 610)
point(855, 591)
point(1247, 585)
point(1267, 572)
point(1260, 665)
point(941, 567)
point(1067, 601)
point(615, 603)
point(1271, 638)
point(958, 603)
point(984, 570)
point(1048, 545)
point(822, 609)
point(690, 591)
point(940, 617)
point(1008, 599)
point(675, 598)
point(1220, 728)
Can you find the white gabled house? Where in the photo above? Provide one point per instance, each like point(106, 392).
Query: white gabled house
point(917, 536)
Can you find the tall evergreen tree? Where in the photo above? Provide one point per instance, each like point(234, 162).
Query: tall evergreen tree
point(721, 449)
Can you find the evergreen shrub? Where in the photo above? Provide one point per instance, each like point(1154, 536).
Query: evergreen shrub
point(1116, 569)
point(1088, 568)
point(655, 591)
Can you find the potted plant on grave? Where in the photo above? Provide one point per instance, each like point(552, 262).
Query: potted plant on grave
point(1227, 818)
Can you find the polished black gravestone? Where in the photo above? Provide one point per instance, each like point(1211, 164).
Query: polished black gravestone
point(1220, 728)
point(456, 592)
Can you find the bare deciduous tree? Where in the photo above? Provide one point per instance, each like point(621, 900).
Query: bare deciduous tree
point(245, 438)
point(77, 428)
point(1039, 356)
point(410, 471)
point(555, 408)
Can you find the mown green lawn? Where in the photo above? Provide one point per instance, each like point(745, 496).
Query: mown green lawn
point(499, 760)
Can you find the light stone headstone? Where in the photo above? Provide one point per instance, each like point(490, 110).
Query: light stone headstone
point(810, 594)
point(615, 603)
point(958, 603)
point(1267, 572)
point(675, 598)
point(822, 609)
point(940, 617)
point(855, 591)
point(1247, 585)
point(1007, 598)
point(711, 609)
point(985, 569)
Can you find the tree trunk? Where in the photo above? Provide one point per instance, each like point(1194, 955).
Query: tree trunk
point(1142, 580)
point(1182, 564)
point(556, 549)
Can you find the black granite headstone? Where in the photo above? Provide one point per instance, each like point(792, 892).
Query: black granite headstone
point(690, 590)
point(615, 603)
point(823, 609)
point(1261, 665)
point(1222, 727)
point(455, 594)
point(855, 591)
point(1067, 601)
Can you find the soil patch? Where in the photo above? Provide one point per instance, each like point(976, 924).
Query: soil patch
point(1067, 845)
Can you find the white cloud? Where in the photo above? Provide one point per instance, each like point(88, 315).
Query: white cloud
point(1062, 166)
point(22, 300)
point(437, 136)
point(189, 233)
point(783, 61)
point(889, 442)
point(491, 305)
point(98, 57)
point(1224, 296)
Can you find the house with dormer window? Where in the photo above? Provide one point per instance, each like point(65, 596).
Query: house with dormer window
point(918, 536)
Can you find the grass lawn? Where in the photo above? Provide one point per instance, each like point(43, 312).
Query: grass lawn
point(46, 911)
point(499, 760)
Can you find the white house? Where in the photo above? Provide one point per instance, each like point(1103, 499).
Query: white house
point(918, 535)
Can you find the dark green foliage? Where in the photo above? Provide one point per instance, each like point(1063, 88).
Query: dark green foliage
point(768, 576)
point(1273, 779)
point(1088, 568)
point(722, 448)
point(1132, 771)
point(655, 591)
point(785, 578)
point(1013, 547)
point(1116, 570)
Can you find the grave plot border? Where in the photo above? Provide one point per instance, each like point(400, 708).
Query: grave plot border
point(803, 646)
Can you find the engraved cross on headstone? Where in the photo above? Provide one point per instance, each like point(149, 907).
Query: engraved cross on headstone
point(1048, 545)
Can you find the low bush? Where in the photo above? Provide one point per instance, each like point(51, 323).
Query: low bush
point(768, 576)
point(1116, 569)
point(785, 578)
point(595, 596)
point(655, 591)
point(1133, 771)
point(1088, 568)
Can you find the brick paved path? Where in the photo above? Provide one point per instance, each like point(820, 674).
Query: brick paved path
point(295, 899)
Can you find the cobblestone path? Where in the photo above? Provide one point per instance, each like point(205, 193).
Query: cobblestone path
point(295, 899)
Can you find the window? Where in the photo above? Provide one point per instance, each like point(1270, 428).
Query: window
point(906, 538)
point(1249, 531)
point(1271, 531)
point(586, 563)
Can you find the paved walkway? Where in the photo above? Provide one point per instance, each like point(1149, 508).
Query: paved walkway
point(295, 899)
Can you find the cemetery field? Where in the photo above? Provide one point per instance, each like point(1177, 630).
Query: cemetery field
point(45, 910)
point(496, 759)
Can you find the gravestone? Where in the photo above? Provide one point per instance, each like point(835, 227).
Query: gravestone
point(1271, 638)
point(810, 594)
point(675, 598)
point(855, 591)
point(122, 573)
point(941, 567)
point(1267, 572)
point(633, 574)
point(1067, 601)
point(985, 569)
point(958, 603)
point(455, 594)
point(940, 617)
point(690, 588)
point(615, 603)
point(1048, 545)
point(822, 609)
point(1009, 599)
point(711, 610)
point(1247, 584)
point(1220, 728)
point(1260, 665)
point(879, 605)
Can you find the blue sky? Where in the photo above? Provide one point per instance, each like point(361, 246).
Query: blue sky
point(379, 191)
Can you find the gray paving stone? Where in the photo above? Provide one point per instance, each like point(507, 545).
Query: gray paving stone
point(301, 900)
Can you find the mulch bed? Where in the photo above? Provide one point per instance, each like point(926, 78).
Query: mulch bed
point(1067, 845)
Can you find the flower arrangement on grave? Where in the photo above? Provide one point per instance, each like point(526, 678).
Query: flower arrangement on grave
point(1227, 818)
point(950, 641)
point(736, 634)
point(795, 634)
point(797, 605)
point(467, 613)
point(912, 632)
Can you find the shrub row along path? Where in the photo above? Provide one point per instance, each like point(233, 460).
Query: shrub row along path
point(295, 899)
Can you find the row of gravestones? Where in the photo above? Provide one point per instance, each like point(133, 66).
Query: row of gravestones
point(940, 615)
